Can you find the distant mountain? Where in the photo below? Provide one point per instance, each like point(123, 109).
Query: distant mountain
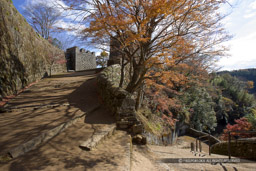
point(244, 75)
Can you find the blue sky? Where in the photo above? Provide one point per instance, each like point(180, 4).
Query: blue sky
point(241, 23)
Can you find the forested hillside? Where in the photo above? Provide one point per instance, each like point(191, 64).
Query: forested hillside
point(208, 103)
point(232, 101)
point(244, 75)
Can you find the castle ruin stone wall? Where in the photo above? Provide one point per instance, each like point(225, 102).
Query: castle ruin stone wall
point(80, 60)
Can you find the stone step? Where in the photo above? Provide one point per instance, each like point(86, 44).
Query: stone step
point(97, 137)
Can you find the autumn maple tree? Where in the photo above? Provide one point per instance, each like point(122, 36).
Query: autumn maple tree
point(153, 34)
point(250, 84)
point(55, 57)
point(242, 124)
point(168, 44)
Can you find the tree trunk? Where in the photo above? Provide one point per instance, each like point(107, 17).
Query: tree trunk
point(131, 88)
point(50, 71)
point(139, 97)
point(137, 78)
point(122, 72)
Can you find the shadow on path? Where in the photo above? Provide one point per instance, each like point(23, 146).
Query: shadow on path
point(85, 98)
point(32, 116)
point(63, 152)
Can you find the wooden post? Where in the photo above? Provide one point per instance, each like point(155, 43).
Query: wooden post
point(192, 146)
point(229, 140)
point(209, 141)
point(200, 146)
point(196, 144)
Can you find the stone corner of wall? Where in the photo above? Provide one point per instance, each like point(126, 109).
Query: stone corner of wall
point(117, 99)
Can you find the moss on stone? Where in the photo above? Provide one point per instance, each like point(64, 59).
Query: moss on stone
point(151, 122)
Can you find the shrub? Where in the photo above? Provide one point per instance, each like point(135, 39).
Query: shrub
point(242, 124)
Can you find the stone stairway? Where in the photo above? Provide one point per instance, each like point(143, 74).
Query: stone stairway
point(97, 137)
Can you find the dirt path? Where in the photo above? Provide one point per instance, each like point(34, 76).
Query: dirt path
point(151, 158)
point(45, 105)
point(51, 102)
point(63, 152)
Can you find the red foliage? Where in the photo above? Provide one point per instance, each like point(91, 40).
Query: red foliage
point(165, 85)
point(56, 57)
point(169, 120)
point(242, 124)
point(160, 102)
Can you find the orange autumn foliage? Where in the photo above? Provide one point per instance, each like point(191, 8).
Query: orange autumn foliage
point(155, 34)
point(250, 84)
point(168, 44)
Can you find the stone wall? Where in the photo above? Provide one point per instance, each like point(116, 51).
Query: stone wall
point(114, 56)
point(80, 60)
point(119, 101)
point(164, 139)
point(122, 105)
point(24, 54)
point(241, 149)
point(85, 60)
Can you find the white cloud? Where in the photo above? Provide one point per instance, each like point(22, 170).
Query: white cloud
point(73, 28)
point(242, 53)
point(70, 19)
point(51, 3)
point(97, 53)
point(229, 65)
point(253, 5)
point(250, 11)
point(58, 5)
point(250, 15)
